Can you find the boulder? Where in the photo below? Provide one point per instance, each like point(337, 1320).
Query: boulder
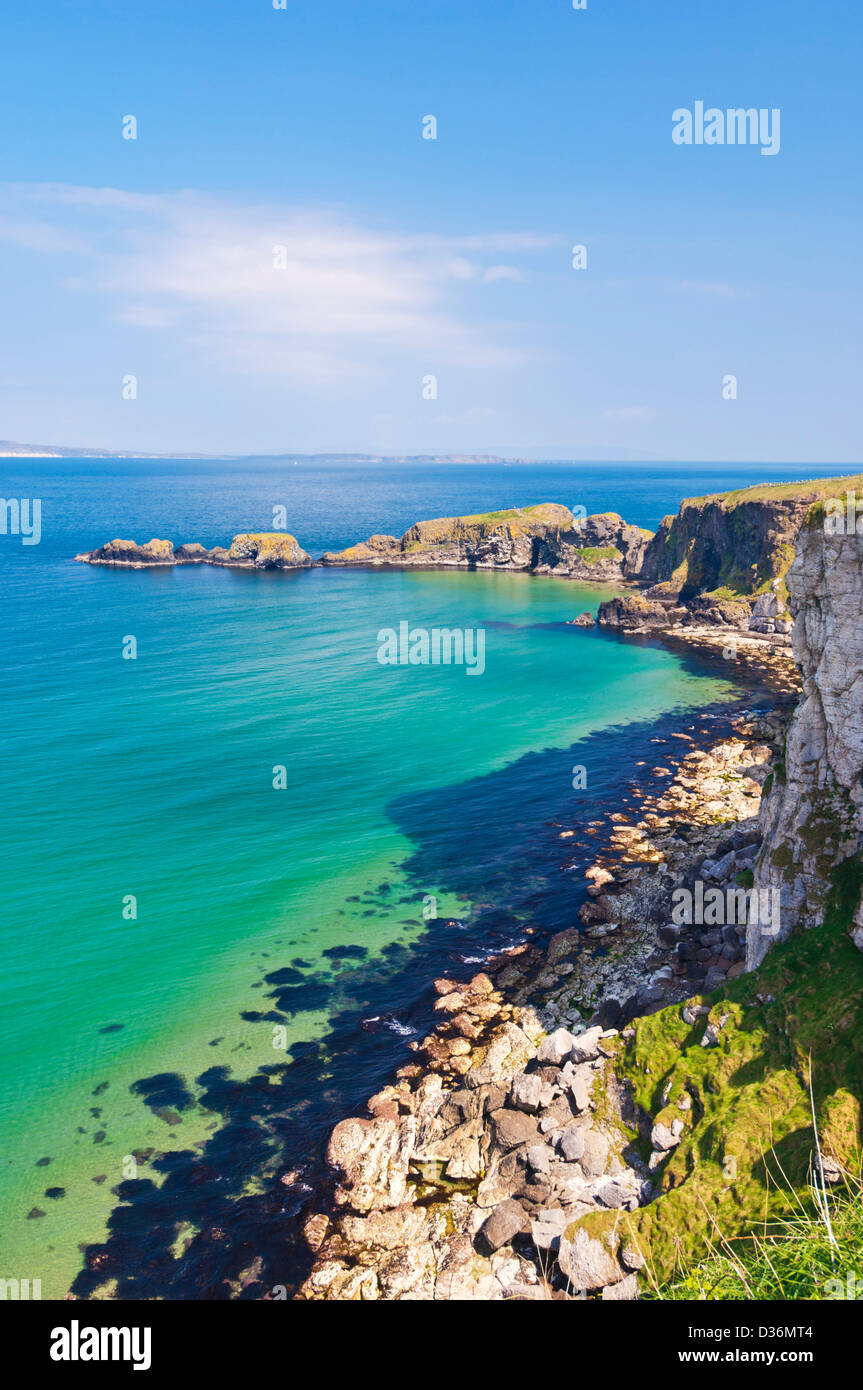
point(371, 1157)
point(585, 1047)
point(595, 1157)
point(586, 1262)
point(512, 1128)
point(507, 1221)
point(666, 1137)
point(556, 1047)
point(626, 1290)
point(526, 1092)
point(547, 1226)
point(571, 1143)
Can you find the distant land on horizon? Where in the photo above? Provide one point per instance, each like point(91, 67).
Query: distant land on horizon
point(13, 449)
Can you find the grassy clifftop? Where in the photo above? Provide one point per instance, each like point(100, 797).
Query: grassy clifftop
point(814, 490)
point(518, 521)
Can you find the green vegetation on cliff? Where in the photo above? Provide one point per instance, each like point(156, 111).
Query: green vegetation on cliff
point(814, 1255)
point(592, 554)
point(816, 489)
point(744, 1161)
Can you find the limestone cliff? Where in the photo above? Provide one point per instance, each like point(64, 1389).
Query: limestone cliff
point(812, 818)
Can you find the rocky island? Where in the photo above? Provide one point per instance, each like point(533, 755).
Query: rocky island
point(253, 550)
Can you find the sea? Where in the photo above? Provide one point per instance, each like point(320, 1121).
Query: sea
point(233, 863)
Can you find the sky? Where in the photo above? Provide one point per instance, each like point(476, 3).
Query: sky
point(283, 263)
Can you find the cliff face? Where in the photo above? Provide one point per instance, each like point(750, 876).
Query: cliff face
point(723, 544)
point(722, 563)
point(601, 547)
point(487, 540)
point(812, 818)
point(734, 542)
point(545, 539)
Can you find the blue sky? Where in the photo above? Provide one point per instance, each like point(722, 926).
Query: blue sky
point(407, 257)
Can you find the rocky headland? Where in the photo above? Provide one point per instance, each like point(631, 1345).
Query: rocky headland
point(545, 539)
point(718, 569)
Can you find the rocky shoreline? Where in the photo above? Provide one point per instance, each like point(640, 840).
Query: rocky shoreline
point(473, 1173)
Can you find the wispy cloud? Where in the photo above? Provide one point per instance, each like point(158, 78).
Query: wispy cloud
point(274, 291)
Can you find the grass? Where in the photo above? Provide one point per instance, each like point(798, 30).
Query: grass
point(781, 492)
point(519, 521)
point(743, 1165)
point(815, 1254)
point(592, 554)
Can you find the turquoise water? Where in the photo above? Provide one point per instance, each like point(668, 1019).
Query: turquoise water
point(152, 779)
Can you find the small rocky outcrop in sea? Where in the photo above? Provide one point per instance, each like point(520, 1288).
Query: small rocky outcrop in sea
point(735, 629)
point(545, 539)
point(253, 550)
point(262, 550)
point(131, 554)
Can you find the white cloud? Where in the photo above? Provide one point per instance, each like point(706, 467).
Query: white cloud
point(274, 291)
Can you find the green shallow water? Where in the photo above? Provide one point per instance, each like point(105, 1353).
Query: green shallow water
point(165, 793)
